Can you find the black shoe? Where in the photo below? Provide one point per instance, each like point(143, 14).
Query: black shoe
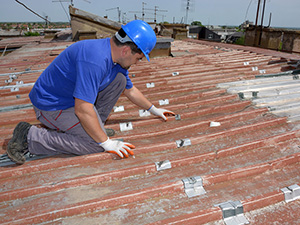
point(109, 132)
point(17, 146)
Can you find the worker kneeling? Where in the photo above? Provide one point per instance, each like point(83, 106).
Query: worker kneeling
point(76, 92)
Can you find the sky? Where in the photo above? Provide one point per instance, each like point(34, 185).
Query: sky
point(285, 13)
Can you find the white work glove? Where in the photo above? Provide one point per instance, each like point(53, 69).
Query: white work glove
point(160, 112)
point(119, 148)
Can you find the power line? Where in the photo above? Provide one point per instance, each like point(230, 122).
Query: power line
point(47, 21)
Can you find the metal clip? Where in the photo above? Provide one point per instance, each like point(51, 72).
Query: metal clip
point(150, 85)
point(126, 126)
point(262, 71)
point(9, 81)
point(19, 82)
point(246, 63)
point(177, 117)
point(144, 112)
point(15, 88)
point(193, 186)
point(175, 74)
point(254, 68)
point(163, 102)
point(13, 76)
point(119, 108)
point(241, 95)
point(163, 165)
point(254, 94)
point(233, 213)
point(291, 193)
point(183, 142)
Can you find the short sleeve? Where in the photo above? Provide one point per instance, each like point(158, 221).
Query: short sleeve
point(88, 79)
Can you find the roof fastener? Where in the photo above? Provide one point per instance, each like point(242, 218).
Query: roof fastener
point(246, 63)
point(150, 85)
point(233, 213)
point(262, 71)
point(175, 74)
point(193, 186)
point(254, 94)
point(144, 112)
point(241, 95)
point(177, 117)
point(13, 89)
point(126, 126)
point(163, 165)
point(163, 102)
point(183, 142)
point(254, 68)
point(291, 193)
point(119, 108)
point(215, 124)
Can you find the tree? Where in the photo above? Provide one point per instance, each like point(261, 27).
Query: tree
point(197, 23)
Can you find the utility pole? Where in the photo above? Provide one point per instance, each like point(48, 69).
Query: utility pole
point(262, 21)
point(187, 11)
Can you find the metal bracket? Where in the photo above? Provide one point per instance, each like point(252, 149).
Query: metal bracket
point(163, 165)
point(177, 117)
point(246, 63)
point(119, 108)
point(15, 88)
point(241, 95)
point(144, 112)
point(126, 126)
point(163, 102)
point(183, 142)
point(291, 193)
point(150, 85)
point(175, 74)
point(254, 68)
point(193, 186)
point(262, 71)
point(233, 213)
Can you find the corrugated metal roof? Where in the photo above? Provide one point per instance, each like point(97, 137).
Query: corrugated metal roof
point(248, 155)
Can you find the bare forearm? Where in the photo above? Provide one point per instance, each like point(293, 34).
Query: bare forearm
point(137, 97)
point(89, 120)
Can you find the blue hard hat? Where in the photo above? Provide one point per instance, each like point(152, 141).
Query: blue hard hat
point(142, 34)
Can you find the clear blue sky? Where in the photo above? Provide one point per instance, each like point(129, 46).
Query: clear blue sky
point(285, 13)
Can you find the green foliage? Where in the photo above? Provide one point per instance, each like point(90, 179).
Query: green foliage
point(197, 23)
point(240, 41)
point(32, 33)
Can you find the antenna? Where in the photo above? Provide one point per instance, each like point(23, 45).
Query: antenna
point(188, 7)
point(119, 12)
point(155, 12)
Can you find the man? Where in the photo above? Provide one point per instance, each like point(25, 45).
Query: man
point(75, 94)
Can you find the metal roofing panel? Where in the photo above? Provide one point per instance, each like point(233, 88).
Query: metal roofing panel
point(248, 157)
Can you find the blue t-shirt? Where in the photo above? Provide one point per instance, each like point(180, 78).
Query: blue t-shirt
point(80, 71)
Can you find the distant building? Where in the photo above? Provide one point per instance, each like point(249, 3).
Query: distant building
point(202, 33)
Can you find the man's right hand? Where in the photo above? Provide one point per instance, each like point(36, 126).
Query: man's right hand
point(119, 148)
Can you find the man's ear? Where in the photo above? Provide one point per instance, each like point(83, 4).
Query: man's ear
point(125, 50)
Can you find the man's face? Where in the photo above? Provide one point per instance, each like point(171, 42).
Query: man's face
point(130, 59)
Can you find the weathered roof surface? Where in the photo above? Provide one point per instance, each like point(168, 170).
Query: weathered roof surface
point(248, 155)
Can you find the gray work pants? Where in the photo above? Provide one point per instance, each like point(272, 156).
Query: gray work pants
point(65, 133)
